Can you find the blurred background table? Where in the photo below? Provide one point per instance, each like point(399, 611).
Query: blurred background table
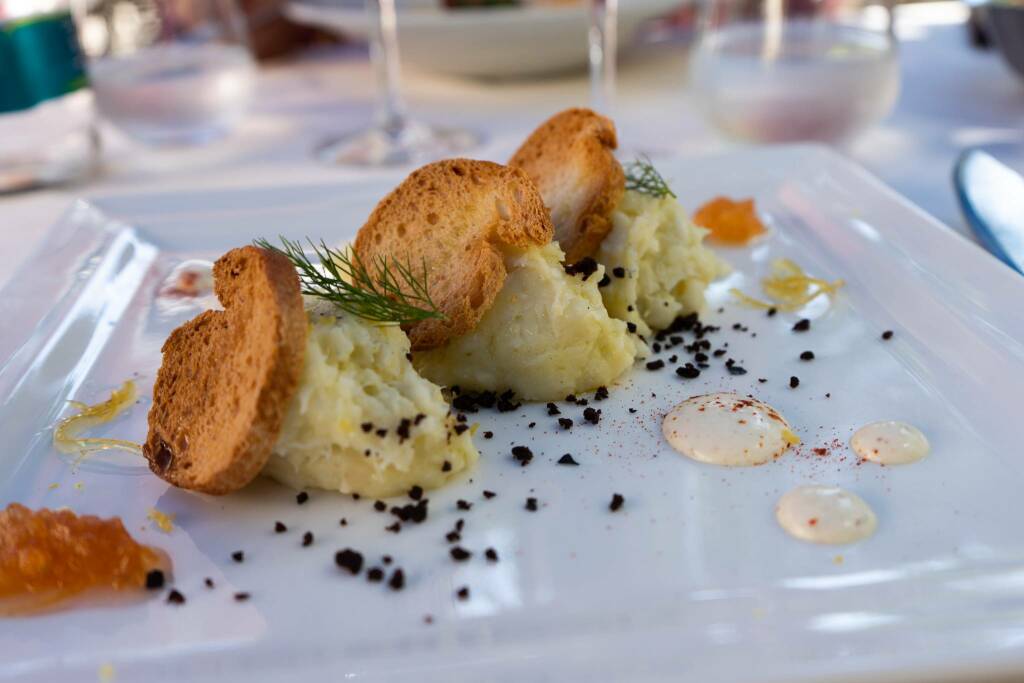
point(952, 97)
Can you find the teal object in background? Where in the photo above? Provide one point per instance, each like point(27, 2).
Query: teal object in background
point(39, 60)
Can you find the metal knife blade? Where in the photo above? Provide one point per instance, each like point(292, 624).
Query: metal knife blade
point(991, 196)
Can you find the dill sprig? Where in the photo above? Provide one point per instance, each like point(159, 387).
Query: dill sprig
point(641, 176)
point(393, 295)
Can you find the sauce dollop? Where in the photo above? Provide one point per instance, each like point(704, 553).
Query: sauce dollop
point(728, 429)
point(48, 557)
point(731, 222)
point(825, 514)
point(890, 443)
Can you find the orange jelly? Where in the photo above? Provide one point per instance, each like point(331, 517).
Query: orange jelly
point(731, 222)
point(51, 556)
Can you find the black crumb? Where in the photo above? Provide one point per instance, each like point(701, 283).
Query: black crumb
point(794, 382)
point(242, 596)
point(592, 416)
point(762, 380)
point(463, 593)
point(459, 523)
point(453, 537)
point(208, 581)
point(307, 539)
point(523, 454)
point(154, 579)
point(374, 574)
point(736, 369)
point(807, 355)
point(567, 460)
point(531, 425)
point(238, 556)
point(617, 501)
point(655, 364)
point(565, 422)
point(632, 410)
point(489, 494)
point(446, 466)
point(460, 554)
point(280, 528)
point(771, 312)
point(349, 560)
point(386, 559)
point(301, 497)
point(887, 335)
point(416, 492)
point(586, 267)
point(463, 504)
point(175, 597)
point(397, 581)
point(394, 528)
point(491, 554)
point(531, 504)
point(488, 435)
point(688, 371)
point(802, 325)
point(553, 409)
point(343, 522)
point(601, 393)
point(380, 506)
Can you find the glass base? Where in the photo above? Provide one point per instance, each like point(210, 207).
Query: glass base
point(412, 142)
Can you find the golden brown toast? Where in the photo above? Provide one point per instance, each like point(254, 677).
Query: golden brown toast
point(569, 157)
point(227, 376)
point(455, 216)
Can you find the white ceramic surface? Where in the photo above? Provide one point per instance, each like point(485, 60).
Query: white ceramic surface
point(691, 580)
point(487, 42)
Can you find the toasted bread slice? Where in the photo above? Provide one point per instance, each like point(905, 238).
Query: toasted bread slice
point(454, 216)
point(227, 376)
point(569, 157)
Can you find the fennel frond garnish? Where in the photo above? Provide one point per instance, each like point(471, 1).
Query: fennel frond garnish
point(390, 294)
point(641, 176)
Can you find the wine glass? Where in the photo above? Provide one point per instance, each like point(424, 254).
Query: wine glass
point(394, 139)
point(788, 70)
point(602, 39)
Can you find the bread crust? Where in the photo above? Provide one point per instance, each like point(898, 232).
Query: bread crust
point(455, 216)
point(571, 160)
point(227, 377)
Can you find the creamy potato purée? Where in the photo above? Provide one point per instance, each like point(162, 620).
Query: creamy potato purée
point(728, 429)
point(825, 514)
point(357, 380)
point(666, 266)
point(546, 335)
point(890, 443)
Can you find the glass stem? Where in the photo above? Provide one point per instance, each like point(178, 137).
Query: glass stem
point(391, 112)
point(603, 41)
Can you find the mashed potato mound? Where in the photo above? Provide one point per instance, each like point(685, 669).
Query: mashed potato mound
point(362, 421)
point(547, 335)
point(665, 268)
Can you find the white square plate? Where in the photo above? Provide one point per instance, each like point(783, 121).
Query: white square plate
point(691, 580)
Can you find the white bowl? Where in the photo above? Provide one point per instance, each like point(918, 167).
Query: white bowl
point(487, 42)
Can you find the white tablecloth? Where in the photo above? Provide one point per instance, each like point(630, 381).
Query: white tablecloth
point(952, 97)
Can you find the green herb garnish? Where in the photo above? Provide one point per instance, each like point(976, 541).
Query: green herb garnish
point(641, 176)
point(393, 295)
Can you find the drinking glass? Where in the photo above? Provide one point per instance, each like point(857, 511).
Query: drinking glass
point(168, 72)
point(602, 39)
point(393, 139)
point(787, 70)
